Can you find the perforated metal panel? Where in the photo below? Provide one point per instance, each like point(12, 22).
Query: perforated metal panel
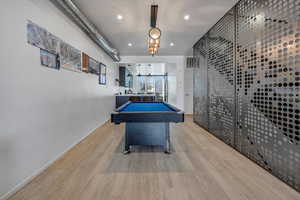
point(253, 60)
point(200, 83)
point(221, 79)
point(268, 60)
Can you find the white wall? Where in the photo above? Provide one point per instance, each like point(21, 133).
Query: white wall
point(171, 69)
point(188, 90)
point(175, 66)
point(43, 112)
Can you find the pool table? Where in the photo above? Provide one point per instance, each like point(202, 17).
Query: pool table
point(147, 123)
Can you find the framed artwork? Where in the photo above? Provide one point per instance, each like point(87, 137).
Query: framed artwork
point(70, 57)
point(94, 66)
point(102, 75)
point(85, 62)
point(49, 59)
point(41, 38)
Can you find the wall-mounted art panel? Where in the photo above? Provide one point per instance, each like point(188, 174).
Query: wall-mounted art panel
point(70, 58)
point(200, 113)
point(49, 59)
point(268, 77)
point(221, 78)
point(41, 38)
point(94, 66)
point(85, 62)
point(102, 74)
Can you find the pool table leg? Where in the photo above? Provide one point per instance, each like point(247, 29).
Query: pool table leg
point(126, 149)
point(126, 152)
point(126, 146)
point(167, 144)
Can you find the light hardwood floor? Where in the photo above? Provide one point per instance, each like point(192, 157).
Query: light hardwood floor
point(201, 168)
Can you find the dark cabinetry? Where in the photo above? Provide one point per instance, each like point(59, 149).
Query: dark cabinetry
point(125, 77)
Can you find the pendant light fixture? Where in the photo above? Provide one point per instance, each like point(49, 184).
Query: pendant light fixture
point(154, 32)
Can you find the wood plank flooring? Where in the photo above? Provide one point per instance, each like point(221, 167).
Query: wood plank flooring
point(200, 168)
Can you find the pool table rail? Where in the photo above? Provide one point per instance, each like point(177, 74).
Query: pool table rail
point(119, 116)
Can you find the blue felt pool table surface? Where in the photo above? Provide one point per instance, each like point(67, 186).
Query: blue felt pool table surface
point(146, 107)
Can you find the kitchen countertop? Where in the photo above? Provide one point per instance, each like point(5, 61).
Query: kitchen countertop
point(143, 95)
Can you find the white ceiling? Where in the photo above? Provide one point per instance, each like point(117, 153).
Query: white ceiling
point(136, 22)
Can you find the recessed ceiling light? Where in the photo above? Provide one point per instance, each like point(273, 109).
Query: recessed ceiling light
point(129, 44)
point(186, 17)
point(171, 44)
point(120, 17)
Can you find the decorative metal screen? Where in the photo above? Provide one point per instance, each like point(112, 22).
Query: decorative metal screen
point(200, 83)
point(254, 71)
point(268, 67)
point(221, 79)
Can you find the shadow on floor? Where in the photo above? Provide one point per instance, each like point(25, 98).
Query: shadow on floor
point(145, 159)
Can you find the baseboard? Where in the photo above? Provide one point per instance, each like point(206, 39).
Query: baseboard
point(48, 164)
point(188, 115)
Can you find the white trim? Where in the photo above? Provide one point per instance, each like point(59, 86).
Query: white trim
point(27, 180)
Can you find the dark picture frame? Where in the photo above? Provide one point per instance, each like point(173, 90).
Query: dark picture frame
point(102, 74)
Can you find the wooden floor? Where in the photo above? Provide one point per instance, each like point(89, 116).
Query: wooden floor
point(201, 168)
